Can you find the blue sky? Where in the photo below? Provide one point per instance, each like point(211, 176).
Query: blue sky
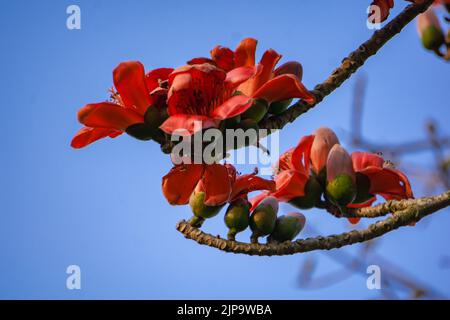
point(101, 207)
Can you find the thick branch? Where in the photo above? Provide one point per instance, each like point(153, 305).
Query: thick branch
point(404, 212)
point(349, 65)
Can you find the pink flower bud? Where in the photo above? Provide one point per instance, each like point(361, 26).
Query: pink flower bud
point(339, 162)
point(324, 140)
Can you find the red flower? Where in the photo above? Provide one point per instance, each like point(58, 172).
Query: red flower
point(220, 183)
point(202, 95)
point(268, 83)
point(386, 6)
point(386, 182)
point(136, 93)
point(294, 170)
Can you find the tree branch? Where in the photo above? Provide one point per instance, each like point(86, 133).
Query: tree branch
point(349, 65)
point(405, 213)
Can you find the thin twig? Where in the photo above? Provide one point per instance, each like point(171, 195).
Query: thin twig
point(349, 65)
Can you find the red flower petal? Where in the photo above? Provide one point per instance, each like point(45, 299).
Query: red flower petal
point(154, 77)
point(290, 184)
point(244, 55)
point(301, 156)
point(285, 161)
point(129, 80)
point(200, 60)
point(248, 183)
point(194, 89)
point(179, 183)
point(108, 115)
point(239, 75)
point(186, 124)
point(265, 73)
point(389, 183)
point(232, 107)
point(354, 220)
point(362, 160)
point(291, 67)
point(217, 184)
point(284, 87)
point(86, 136)
point(223, 57)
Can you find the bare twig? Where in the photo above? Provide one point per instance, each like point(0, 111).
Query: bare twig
point(349, 65)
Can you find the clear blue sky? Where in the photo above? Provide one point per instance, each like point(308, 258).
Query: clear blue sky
point(102, 208)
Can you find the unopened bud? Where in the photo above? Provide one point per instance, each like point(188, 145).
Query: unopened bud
point(287, 227)
point(200, 210)
point(237, 217)
point(263, 218)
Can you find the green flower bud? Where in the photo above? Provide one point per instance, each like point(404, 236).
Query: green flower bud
point(341, 190)
point(432, 38)
point(288, 227)
point(237, 217)
point(313, 193)
point(279, 106)
point(257, 111)
point(200, 210)
point(263, 218)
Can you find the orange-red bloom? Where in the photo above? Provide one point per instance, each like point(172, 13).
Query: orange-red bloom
point(386, 182)
point(268, 83)
point(201, 95)
point(220, 183)
point(294, 169)
point(136, 93)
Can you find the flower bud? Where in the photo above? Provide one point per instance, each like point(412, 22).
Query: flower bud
point(257, 111)
point(430, 31)
point(313, 193)
point(324, 140)
point(263, 218)
point(200, 210)
point(279, 106)
point(341, 181)
point(237, 217)
point(287, 227)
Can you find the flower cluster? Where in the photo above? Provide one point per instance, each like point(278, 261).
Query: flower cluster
point(204, 93)
point(319, 171)
point(230, 90)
